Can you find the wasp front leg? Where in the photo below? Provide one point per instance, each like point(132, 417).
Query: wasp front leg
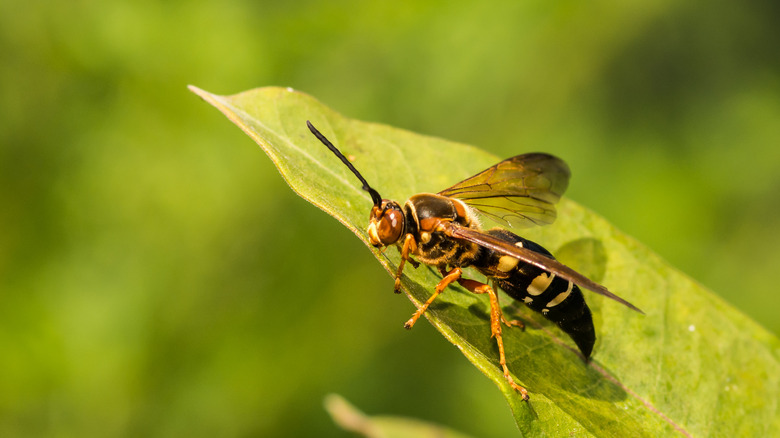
point(409, 246)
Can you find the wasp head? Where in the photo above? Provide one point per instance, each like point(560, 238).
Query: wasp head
point(386, 223)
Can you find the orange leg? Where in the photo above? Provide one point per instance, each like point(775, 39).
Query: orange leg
point(448, 279)
point(469, 284)
point(410, 245)
point(513, 323)
point(496, 318)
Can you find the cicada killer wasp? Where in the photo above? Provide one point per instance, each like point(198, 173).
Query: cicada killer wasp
point(443, 230)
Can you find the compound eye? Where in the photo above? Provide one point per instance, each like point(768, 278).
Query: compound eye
point(390, 227)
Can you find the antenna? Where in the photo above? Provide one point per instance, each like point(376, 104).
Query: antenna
point(374, 194)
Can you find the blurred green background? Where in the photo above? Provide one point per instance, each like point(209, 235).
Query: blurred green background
point(158, 278)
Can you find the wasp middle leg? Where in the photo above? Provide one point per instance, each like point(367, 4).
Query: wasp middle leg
point(496, 316)
point(449, 278)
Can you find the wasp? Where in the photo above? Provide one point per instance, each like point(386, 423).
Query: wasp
point(443, 230)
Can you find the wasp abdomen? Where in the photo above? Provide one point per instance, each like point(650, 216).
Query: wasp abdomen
point(558, 300)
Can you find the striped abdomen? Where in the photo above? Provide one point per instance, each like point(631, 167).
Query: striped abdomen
point(558, 300)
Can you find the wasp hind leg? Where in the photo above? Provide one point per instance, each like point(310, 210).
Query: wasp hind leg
point(513, 322)
point(496, 318)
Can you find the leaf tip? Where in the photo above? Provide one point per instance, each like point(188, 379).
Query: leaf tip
point(198, 91)
point(345, 414)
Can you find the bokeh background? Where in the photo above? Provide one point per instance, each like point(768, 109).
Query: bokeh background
point(158, 278)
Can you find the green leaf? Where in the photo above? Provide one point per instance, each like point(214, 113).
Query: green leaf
point(350, 418)
point(693, 365)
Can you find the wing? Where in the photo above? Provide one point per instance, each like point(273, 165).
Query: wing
point(533, 258)
point(519, 191)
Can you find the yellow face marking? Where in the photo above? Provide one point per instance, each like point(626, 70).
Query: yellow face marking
point(425, 237)
point(540, 284)
point(507, 263)
point(528, 300)
point(561, 296)
point(373, 237)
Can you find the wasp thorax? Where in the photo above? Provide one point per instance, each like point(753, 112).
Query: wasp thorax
point(386, 223)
